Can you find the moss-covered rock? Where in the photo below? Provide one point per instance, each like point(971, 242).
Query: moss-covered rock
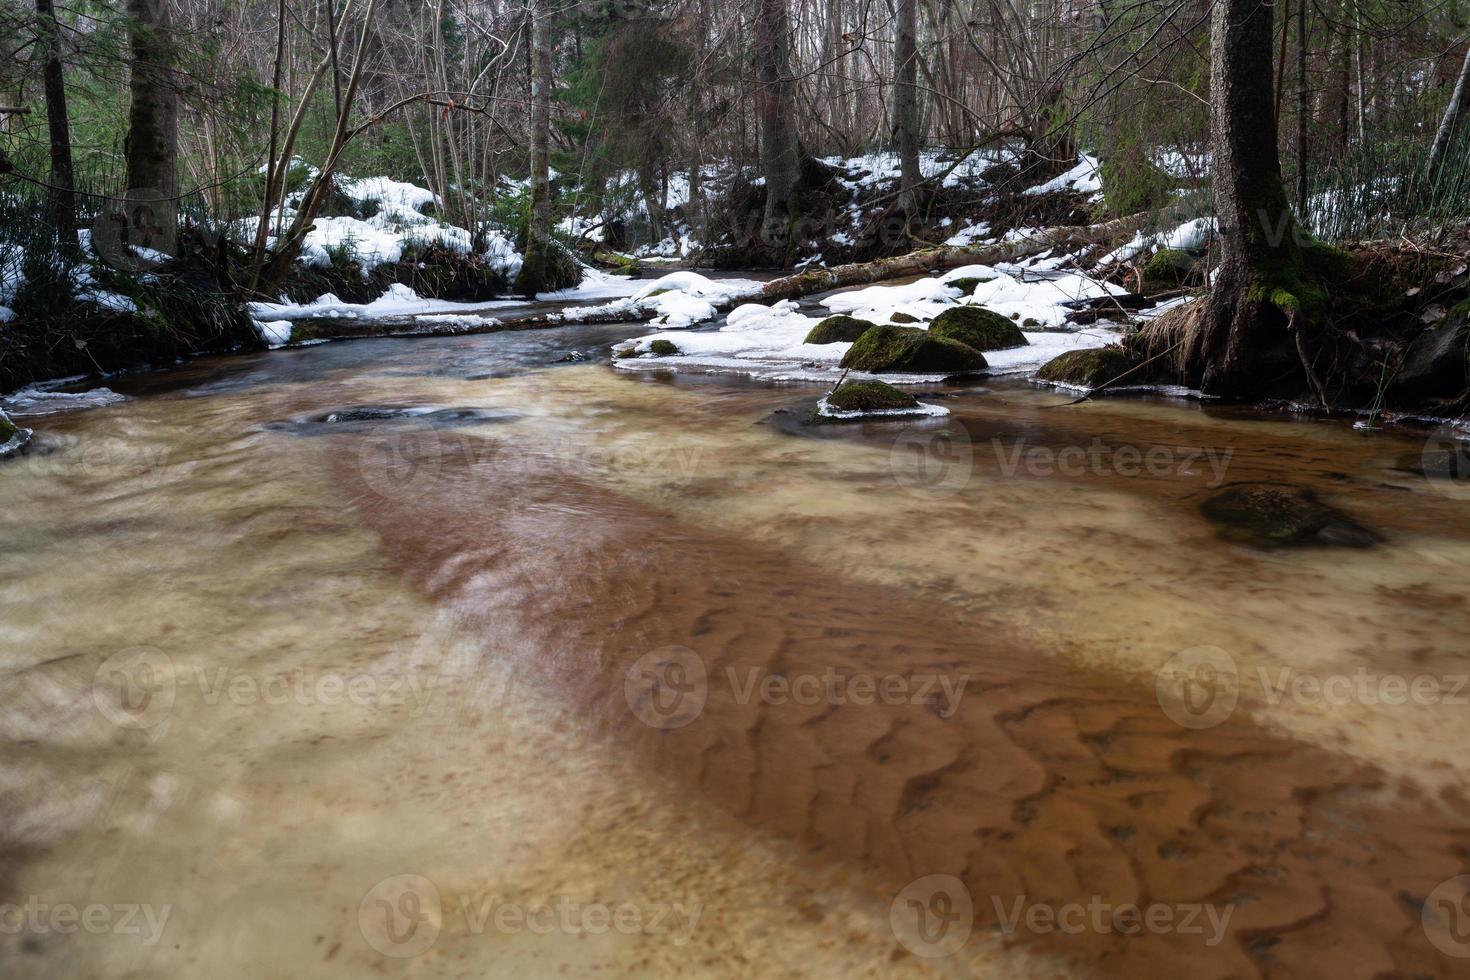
point(869, 396)
point(904, 318)
point(1277, 515)
point(627, 352)
point(13, 438)
point(1087, 368)
point(977, 327)
point(838, 329)
point(1168, 268)
point(663, 348)
point(966, 284)
point(888, 349)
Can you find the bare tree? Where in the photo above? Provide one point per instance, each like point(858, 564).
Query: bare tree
point(775, 108)
point(63, 193)
point(906, 105)
point(152, 142)
point(535, 270)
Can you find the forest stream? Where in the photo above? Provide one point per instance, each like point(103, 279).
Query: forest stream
point(455, 657)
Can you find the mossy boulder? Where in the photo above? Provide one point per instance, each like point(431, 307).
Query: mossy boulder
point(1087, 368)
point(966, 284)
point(663, 348)
point(869, 396)
point(1278, 515)
point(977, 327)
point(905, 318)
point(838, 329)
point(13, 438)
point(888, 349)
point(1169, 268)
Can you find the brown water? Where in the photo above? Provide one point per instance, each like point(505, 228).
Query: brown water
point(288, 697)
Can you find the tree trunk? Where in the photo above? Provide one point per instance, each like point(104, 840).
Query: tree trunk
point(63, 178)
point(780, 149)
point(906, 106)
point(153, 128)
point(1255, 292)
point(1303, 99)
point(534, 270)
point(1446, 133)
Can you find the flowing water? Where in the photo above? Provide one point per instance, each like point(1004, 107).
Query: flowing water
point(447, 658)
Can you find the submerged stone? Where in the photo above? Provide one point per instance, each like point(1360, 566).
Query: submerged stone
point(869, 396)
point(1087, 368)
point(887, 349)
point(838, 329)
point(977, 327)
point(1278, 515)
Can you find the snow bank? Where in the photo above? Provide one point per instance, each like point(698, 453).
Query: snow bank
point(1084, 178)
point(683, 299)
point(768, 341)
point(1193, 235)
point(37, 399)
point(398, 225)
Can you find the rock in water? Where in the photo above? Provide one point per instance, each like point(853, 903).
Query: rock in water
point(838, 329)
point(13, 439)
point(977, 327)
point(1087, 368)
point(869, 396)
point(663, 348)
point(887, 349)
point(1278, 515)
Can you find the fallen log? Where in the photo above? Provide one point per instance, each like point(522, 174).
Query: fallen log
point(1019, 245)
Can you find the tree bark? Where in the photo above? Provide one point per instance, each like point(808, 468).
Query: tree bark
point(1250, 302)
point(152, 142)
point(533, 274)
point(906, 106)
point(63, 192)
point(780, 148)
point(1446, 132)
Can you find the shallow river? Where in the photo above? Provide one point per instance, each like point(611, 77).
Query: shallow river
point(592, 672)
